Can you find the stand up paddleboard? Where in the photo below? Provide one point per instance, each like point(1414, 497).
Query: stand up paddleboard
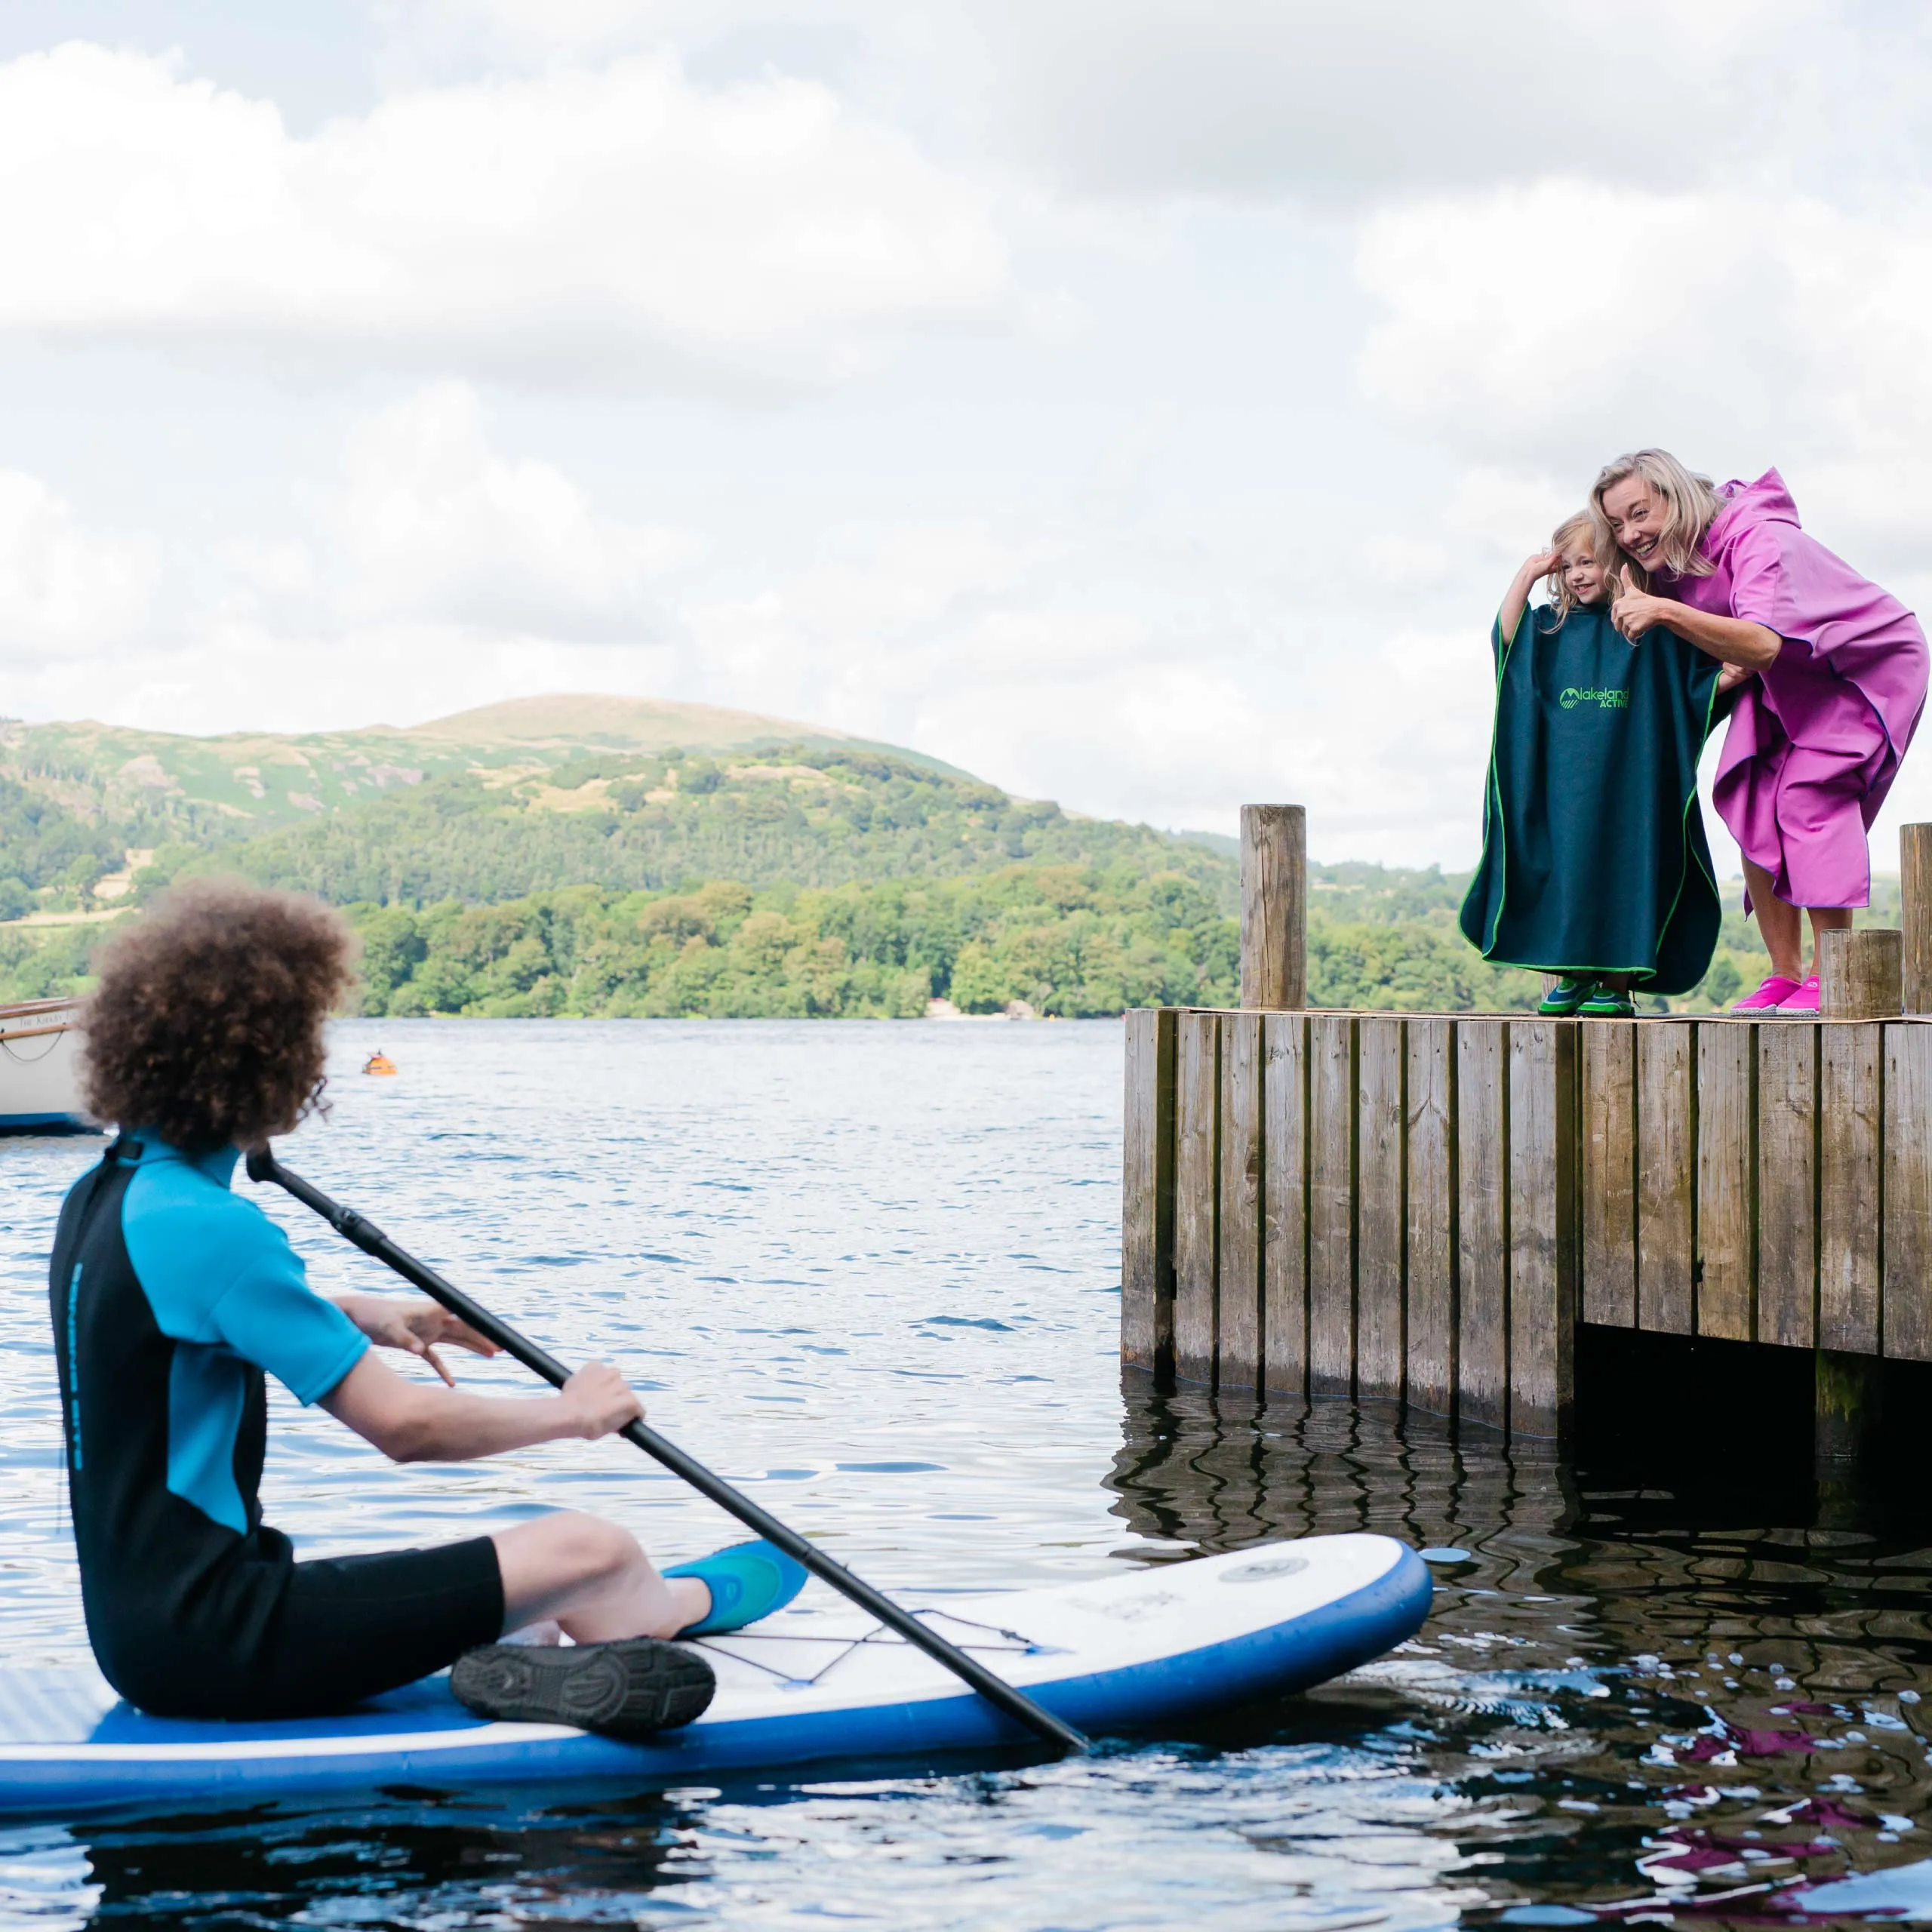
point(1137, 1654)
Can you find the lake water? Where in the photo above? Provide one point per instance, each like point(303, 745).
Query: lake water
point(870, 1273)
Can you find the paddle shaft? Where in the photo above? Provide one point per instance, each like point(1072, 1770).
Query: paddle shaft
point(263, 1165)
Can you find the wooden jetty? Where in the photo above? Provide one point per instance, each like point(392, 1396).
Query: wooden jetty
point(1424, 1207)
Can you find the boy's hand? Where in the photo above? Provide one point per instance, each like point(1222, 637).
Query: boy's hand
point(602, 1400)
point(416, 1326)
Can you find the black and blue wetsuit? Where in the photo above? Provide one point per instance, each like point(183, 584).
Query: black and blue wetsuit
point(170, 1296)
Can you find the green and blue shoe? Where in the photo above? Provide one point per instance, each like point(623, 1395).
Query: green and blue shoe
point(1567, 996)
point(747, 1581)
point(1604, 1004)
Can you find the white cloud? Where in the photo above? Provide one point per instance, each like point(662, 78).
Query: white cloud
point(433, 522)
point(65, 592)
point(619, 211)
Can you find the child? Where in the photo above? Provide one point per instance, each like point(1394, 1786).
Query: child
point(171, 1295)
point(1593, 864)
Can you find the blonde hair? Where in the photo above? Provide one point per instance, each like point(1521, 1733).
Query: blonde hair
point(1582, 528)
point(1690, 505)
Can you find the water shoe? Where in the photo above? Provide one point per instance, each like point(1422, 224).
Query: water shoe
point(628, 1689)
point(747, 1581)
point(1772, 991)
point(1604, 1004)
point(1804, 1000)
point(1566, 996)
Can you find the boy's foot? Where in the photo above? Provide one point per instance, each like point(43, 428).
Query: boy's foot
point(1607, 1004)
point(1566, 996)
point(628, 1689)
point(1772, 991)
point(747, 1581)
point(1805, 1000)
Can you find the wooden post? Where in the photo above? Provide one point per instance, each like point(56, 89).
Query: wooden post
point(1284, 1202)
point(1274, 907)
point(1543, 1245)
point(1915, 914)
point(1147, 1204)
point(1431, 1216)
point(1860, 975)
point(1237, 1360)
point(1197, 1193)
point(1381, 1207)
point(1482, 1221)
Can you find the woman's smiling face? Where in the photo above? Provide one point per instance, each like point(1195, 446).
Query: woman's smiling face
point(1636, 512)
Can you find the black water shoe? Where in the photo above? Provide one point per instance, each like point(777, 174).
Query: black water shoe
point(629, 1689)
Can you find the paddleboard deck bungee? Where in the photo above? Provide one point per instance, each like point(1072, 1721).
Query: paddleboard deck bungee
point(1138, 1653)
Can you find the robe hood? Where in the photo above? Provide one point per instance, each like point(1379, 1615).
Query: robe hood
point(1767, 499)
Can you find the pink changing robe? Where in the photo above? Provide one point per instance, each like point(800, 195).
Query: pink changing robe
point(1816, 739)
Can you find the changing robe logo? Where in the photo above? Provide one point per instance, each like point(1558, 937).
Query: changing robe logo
point(1603, 700)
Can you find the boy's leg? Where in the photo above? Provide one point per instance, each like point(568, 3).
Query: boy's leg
point(593, 1579)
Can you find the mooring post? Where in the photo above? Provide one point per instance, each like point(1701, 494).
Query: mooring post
point(1916, 915)
point(1274, 907)
point(1859, 973)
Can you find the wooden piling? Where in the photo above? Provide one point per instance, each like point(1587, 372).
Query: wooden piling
point(1666, 1176)
point(1725, 1268)
point(1850, 1194)
point(1786, 1171)
point(1543, 1245)
point(1430, 1272)
point(1382, 1210)
point(1609, 1075)
point(1860, 975)
point(1274, 907)
point(1197, 1192)
point(1915, 915)
point(1906, 1319)
point(1482, 1161)
point(1331, 1204)
point(1284, 1202)
point(1147, 1195)
point(1238, 1352)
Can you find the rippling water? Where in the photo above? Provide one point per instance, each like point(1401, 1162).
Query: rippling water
point(870, 1272)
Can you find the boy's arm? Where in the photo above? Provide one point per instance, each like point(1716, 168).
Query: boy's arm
point(416, 1422)
point(413, 1324)
point(1516, 598)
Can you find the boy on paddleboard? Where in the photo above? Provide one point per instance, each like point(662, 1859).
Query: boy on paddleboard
point(172, 1296)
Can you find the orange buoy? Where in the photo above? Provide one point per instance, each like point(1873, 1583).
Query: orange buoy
point(378, 1062)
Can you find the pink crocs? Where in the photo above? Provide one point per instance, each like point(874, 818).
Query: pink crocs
point(1805, 1000)
point(1773, 992)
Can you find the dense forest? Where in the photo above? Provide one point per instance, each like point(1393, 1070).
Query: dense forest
point(801, 879)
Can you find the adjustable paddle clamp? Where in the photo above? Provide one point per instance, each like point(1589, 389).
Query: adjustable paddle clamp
point(262, 1166)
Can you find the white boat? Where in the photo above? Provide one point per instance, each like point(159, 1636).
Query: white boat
point(40, 1071)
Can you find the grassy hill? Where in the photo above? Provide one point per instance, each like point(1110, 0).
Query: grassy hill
point(575, 854)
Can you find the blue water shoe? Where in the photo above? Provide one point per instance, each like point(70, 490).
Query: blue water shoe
point(747, 1581)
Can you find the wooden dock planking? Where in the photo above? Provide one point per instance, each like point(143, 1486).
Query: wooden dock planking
point(1787, 1183)
point(1284, 1201)
point(1608, 1073)
point(1147, 1193)
point(1382, 1210)
point(1431, 1289)
point(1331, 1204)
point(1906, 1181)
point(1851, 1125)
point(1725, 1270)
point(1238, 1356)
point(1544, 1249)
point(1666, 1176)
point(1482, 1208)
point(1197, 1192)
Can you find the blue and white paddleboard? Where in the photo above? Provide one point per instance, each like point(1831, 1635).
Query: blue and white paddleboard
point(1134, 1653)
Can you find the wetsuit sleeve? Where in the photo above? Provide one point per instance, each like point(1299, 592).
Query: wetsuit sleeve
point(270, 1316)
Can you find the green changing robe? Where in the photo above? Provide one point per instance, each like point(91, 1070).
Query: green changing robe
point(1594, 858)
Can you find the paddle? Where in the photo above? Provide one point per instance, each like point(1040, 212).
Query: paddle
point(263, 1165)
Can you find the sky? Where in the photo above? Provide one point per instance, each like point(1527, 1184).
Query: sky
point(1143, 404)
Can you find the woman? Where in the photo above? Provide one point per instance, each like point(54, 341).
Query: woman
point(171, 1296)
point(1831, 678)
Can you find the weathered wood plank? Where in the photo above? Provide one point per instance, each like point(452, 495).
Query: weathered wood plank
point(1284, 1202)
point(1861, 975)
point(1197, 1151)
point(1726, 1269)
point(1906, 1321)
point(1851, 1137)
point(1147, 1194)
point(1431, 1288)
point(1482, 1160)
point(1237, 1351)
point(1609, 1179)
point(1544, 1243)
point(1274, 906)
point(1915, 915)
point(1381, 1211)
point(1666, 1145)
point(1787, 1182)
point(1331, 1204)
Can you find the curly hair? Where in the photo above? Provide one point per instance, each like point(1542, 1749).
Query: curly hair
point(207, 1027)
